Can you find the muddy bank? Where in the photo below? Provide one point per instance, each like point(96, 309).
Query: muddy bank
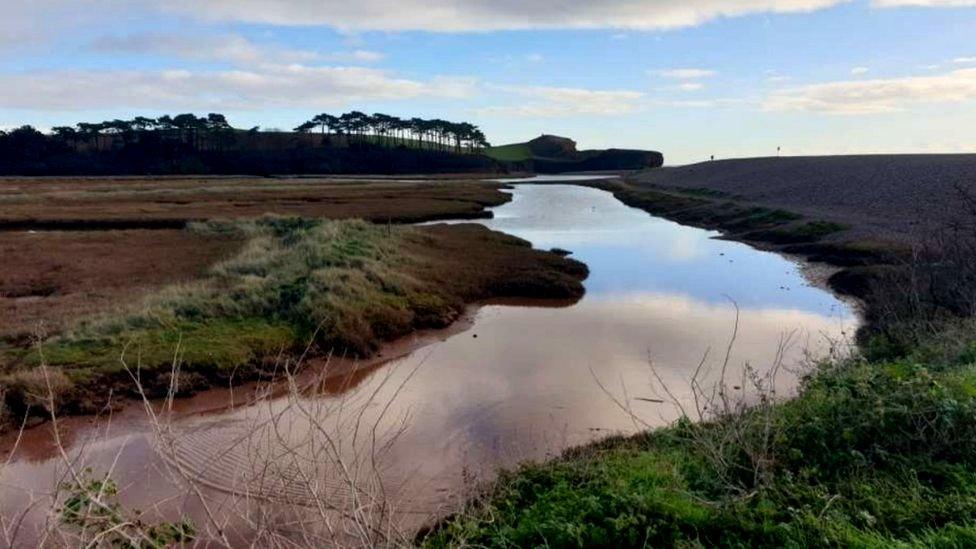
point(373, 284)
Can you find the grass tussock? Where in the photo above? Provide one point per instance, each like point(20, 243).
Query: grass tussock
point(342, 286)
point(871, 454)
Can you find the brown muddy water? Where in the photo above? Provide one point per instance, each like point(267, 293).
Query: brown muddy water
point(513, 382)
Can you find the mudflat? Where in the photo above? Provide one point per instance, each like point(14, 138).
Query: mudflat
point(52, 278)
point(76, 246)
point(170, 202)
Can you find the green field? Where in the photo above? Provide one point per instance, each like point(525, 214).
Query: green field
point(515, 152)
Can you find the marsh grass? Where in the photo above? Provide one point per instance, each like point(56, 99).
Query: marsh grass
point(343, 287)
point(713, 209)
point(336, 282)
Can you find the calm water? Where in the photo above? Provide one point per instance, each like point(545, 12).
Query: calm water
point(521, 382)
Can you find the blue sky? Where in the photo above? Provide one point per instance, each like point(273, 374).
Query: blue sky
point(691, 78)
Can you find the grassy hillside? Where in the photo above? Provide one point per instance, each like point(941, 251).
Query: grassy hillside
point(516, 152)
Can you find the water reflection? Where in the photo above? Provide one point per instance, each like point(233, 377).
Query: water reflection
point(630, 251)
point(526, 382)
point(521, 382)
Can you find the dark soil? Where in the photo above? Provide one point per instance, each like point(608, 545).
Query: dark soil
point(50, 279)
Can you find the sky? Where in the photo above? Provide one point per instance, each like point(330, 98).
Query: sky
point(691, 78)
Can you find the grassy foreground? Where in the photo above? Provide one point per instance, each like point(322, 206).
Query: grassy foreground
point(871, 454)
point(341, 286)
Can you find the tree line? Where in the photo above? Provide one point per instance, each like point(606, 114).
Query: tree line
point(213, 132)
point(209, 144)
point(392, 130)
point(187, 128)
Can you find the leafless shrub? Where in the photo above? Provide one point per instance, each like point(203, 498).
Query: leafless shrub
point(934, 287)
point(307, 472)
point(80, 512)
point(732, 423)
point(41, 387)
point(4, 412)
point(728, 414)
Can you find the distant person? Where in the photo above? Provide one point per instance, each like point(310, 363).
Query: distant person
point(713, 158)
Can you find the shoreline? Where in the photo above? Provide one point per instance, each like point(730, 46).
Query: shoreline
point(819, 273)
point(129, 413)
point(854, 267)
point(320, 374)
point(461, 264)
point(849, 442)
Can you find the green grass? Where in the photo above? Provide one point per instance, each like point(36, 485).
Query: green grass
point(810, 231)
point(214, 344)
point(871, 454)
point(346, 283)
point(516, 152)
point(758, 216)
point(704, 191)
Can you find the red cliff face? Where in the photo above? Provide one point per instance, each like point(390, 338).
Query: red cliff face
point(552, 146)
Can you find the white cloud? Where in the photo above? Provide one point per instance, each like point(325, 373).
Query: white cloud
point(27, 24)
point(685, 74)
point(877, 95)
point(266, 86)
point(359, 56)
point(691, 104)
point(690, 86)
point(561, 102)
point(482, 15)
point(231, 48)
point(778, 79)
point(964, 60)
point(923, 3)
point(704, 103)
point(857, 71)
